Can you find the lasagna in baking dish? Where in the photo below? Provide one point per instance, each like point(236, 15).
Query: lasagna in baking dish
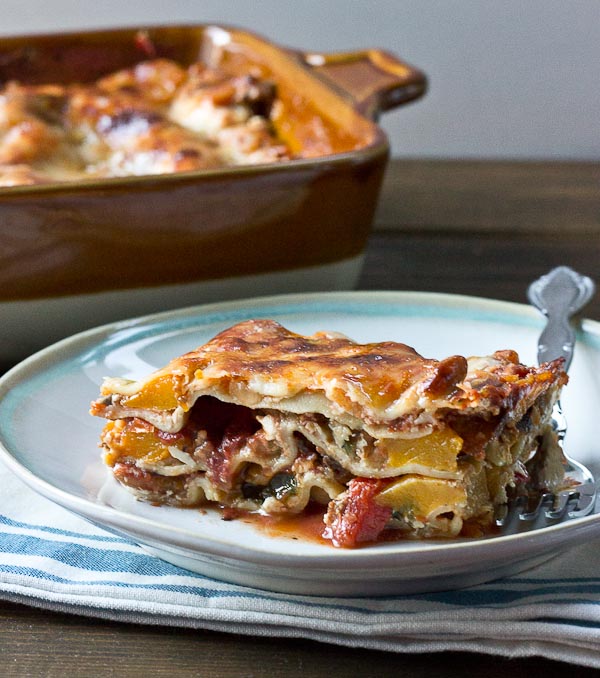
point(154, 118)
point(261, 419)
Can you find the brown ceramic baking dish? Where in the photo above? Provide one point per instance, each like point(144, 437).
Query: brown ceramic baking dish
point(90, 251)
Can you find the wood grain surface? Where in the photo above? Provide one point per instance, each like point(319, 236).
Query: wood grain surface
point(484, 229)
point(505, 197)
point(494, 265)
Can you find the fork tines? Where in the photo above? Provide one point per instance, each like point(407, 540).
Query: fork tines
point(525, 512)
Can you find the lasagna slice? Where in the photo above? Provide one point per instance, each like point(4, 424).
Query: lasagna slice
point(265, 420)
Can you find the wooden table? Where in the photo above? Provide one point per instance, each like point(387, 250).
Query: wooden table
point(478, 228)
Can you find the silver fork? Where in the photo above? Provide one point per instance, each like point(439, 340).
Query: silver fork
point(558, 295)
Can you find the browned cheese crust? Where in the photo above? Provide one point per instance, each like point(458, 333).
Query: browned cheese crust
point(389, 384)
point(154, 118)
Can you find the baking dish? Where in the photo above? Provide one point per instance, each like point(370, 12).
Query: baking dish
point(77, 254)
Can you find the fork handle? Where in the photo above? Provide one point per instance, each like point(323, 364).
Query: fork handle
point(559, 295)
point(556, 340)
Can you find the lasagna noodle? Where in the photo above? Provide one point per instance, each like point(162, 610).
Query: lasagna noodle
point(261, 418)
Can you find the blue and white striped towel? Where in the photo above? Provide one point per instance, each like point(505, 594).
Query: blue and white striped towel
point(52, 559)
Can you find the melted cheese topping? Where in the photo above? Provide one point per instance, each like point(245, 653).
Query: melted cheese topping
point(386, 389)
point(154, 118)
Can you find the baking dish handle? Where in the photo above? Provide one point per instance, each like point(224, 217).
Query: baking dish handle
point(374, 79)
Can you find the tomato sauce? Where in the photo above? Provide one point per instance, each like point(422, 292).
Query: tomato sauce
point(307, 526)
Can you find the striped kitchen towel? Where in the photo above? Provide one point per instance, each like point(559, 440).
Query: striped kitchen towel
point(53, 559)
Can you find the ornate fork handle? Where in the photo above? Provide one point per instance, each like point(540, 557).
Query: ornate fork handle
point(559, 295)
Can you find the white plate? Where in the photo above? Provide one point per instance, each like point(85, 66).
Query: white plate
point(50, 441)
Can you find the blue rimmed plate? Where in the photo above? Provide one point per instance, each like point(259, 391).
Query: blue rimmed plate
point(50, 441)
